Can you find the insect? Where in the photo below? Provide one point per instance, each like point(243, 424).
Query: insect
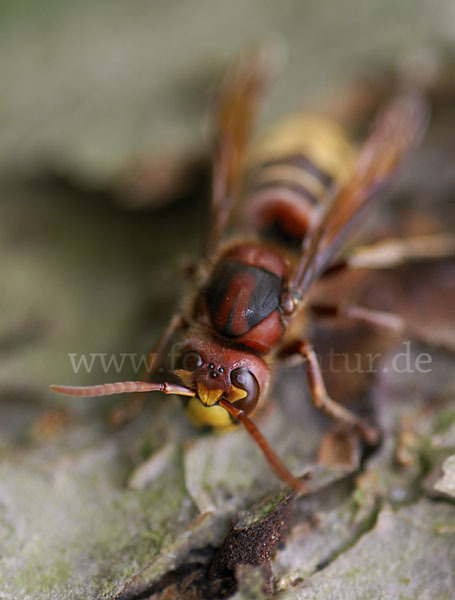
point(301, 189)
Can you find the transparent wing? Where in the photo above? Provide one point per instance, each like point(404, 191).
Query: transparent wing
point(398, 127)
point(238, 101)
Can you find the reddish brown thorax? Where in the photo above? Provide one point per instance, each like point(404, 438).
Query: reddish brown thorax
point(242, 298)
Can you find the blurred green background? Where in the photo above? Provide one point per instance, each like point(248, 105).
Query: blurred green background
point(89, 85)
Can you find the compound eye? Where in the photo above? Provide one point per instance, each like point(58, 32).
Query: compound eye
point(191, 360)
point(245, 380)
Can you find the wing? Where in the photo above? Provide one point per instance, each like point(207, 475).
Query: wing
point(237, 105)
point(398, 127)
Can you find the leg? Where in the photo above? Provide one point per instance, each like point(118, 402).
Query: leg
point(378, 318)
point(322, 400)
point(394, 252)
point(127, 410)
point(387, 321)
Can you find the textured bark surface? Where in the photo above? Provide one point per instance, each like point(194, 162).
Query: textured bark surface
point(101, 111)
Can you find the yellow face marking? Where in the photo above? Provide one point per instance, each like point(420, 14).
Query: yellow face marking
point(237, 394)
point(208, 397)
point(214, 416)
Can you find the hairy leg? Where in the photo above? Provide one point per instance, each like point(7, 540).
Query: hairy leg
point(393, 252)
point(320, 396)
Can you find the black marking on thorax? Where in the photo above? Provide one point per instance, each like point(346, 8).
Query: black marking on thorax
point(239, 296)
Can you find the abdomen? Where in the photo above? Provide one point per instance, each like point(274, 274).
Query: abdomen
point(290, 172)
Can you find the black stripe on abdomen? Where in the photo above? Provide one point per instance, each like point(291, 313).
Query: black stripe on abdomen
point(302, 161)
point(299, 189)
point(296, 174)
